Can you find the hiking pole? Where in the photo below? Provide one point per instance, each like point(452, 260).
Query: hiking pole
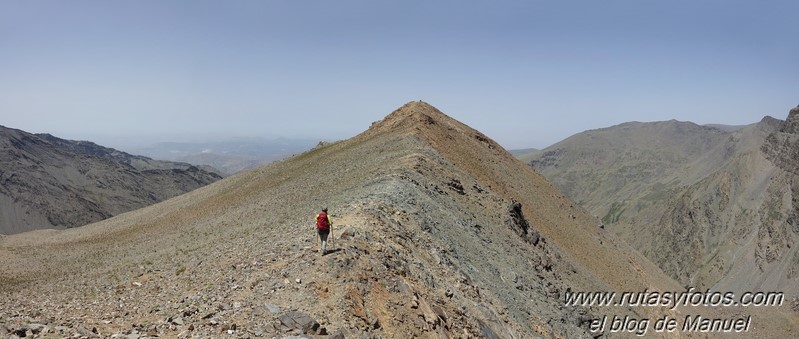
point(315, 237)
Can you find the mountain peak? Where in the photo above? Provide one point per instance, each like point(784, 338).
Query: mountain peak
point(444, 133)
point(416, 108)
point(412, 114)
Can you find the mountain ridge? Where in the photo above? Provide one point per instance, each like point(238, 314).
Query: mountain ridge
point(429, 241)
point(706, 206)
point(46, 181)
point(438, 233)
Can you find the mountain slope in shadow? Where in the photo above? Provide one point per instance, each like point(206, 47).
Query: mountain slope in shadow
point(48, 182)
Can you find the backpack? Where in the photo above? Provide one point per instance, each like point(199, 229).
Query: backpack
point(322, 222)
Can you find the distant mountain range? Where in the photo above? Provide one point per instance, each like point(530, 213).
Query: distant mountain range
point(714, 206)
point(229, 157)
point(48, 182)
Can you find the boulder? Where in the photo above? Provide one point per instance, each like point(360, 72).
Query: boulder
point(300, 321)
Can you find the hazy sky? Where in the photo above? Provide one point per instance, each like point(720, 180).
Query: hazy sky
point(526, 73)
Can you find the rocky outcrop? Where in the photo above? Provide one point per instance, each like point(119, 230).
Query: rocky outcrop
point(519, 224)
point(47, 182)
point(791, 124)
point(782, 147)
point(300, 321)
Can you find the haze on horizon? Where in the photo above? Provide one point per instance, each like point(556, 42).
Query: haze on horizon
point(526, 73)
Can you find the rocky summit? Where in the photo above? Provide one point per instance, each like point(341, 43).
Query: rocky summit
point(437, 232)
point(48, 182)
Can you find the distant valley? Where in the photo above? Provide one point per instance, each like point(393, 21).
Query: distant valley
point(229, 157)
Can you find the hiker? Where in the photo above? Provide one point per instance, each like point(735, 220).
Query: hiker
point(323, 226)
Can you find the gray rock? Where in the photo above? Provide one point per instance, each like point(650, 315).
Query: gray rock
point(83, 331)
point(273, 308)
point(376, 324)
point(37, 328)
point(348, 233)
point(299, 321)
point(486, 331)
